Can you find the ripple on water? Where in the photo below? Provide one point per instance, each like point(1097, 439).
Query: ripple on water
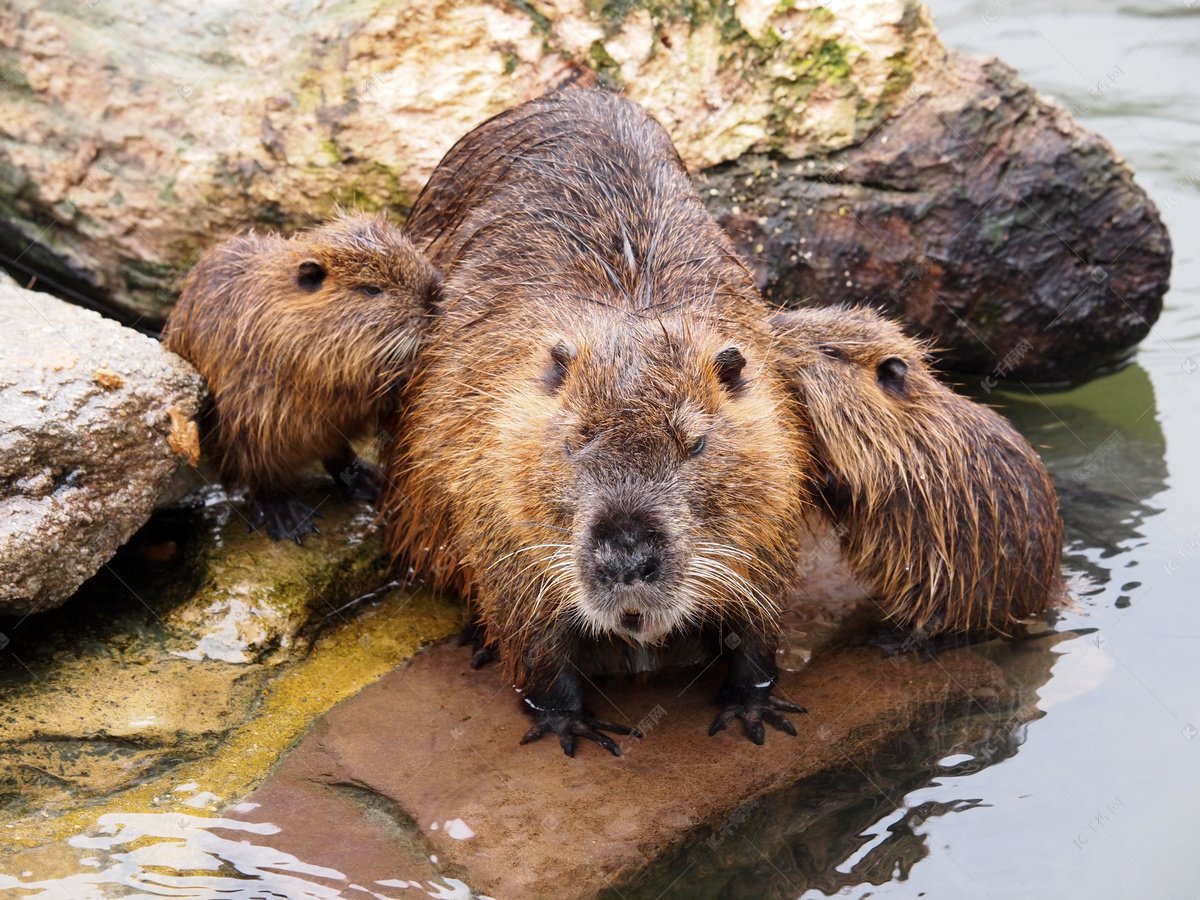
point(180, 855)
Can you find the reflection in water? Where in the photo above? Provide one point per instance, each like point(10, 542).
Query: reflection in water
point(1104, 445)
point(178, 855)
point(863, 823)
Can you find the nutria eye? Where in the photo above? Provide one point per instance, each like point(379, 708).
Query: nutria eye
point(371, 290)
point(698, 447)
point(891, 375)
point(310, 275)
point(830, 351)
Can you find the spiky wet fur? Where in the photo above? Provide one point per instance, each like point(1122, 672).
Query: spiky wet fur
point(296, 374)
point(571, 219)
point(951, 518)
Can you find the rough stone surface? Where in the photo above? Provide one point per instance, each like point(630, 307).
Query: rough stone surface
point(440, 742)
point(980, 212)
point(254, 597)
point(83, 443)
point(133, 135)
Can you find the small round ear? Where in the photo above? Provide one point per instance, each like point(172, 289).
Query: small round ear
point(730, 363)
point(562, 355)
point(891, 374)
point(310, 275)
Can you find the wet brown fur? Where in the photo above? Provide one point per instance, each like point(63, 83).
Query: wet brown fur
point(951, 518)
point(572, 221)
point(295, 374)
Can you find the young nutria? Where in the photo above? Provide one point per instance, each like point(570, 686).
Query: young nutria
point(600, 451)
point(950, 517)
point(300, 341)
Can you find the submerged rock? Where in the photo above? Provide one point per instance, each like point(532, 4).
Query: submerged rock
point(196, 657)
point(86, 410)
point(427, 760)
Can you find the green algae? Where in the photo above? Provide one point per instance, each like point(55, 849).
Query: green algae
point(204, 669)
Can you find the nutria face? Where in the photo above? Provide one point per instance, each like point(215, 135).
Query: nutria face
point(861, 379)
point(949, 514)
point(656, 451)
point(366, 287)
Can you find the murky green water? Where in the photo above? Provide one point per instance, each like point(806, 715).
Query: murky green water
point(1087, 786)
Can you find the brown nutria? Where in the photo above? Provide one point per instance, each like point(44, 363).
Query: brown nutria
point(300, 341)
point(950, 518)
point(603, 457)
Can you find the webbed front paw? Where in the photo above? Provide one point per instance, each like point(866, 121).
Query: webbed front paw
point(753, 707)
point(475, 635)
point(283, 516)
point(569, 724)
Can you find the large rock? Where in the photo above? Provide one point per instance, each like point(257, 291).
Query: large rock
point(981, 212)
point(84, 452)
point(120, 160)
point(134, 134)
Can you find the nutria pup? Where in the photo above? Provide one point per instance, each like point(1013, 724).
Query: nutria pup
point(601, 453)
point(950, 518)
point(301, 342)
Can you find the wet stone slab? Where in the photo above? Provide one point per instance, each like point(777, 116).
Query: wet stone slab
point(424, 772)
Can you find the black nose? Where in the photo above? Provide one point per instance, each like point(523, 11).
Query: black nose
point(617, 564)
point(625, 550)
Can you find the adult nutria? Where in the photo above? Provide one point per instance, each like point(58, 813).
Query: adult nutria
point(600, 451)
point(300, 341)
point(949, 516)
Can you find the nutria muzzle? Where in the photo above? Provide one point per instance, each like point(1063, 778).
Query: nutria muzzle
point(628, 565)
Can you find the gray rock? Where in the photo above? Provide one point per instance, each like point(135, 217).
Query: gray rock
point(83, 442)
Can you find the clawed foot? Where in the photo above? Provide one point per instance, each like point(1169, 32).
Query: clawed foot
point(284, 517)
point(569, 724)
point(474, 634)
point(753, 711)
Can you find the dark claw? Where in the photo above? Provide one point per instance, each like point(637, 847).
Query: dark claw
point(755, 710)
point(484, 655)
point(774, 719)
point(535, 732)
point(284, 517)
point(569, 724)
point(475, 634)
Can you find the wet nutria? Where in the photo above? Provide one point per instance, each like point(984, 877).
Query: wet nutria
point(603, 456)
point(950, 517)
point(300, 341)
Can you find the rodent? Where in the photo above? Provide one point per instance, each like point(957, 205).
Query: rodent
point(302, 342)
point(948, 516)
point(603, 456)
